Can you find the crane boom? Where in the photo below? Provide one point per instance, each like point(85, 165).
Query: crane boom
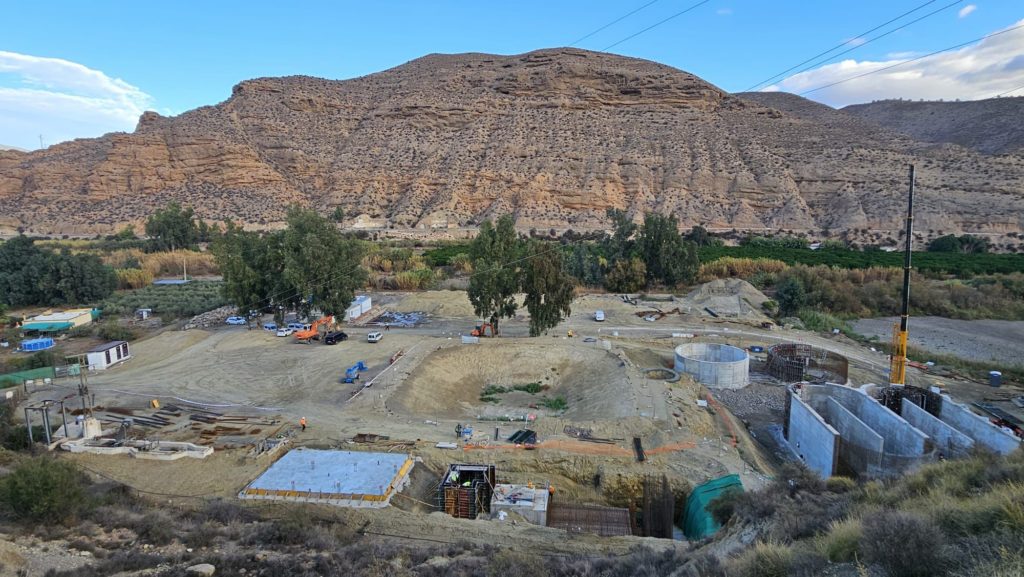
point(898, 358)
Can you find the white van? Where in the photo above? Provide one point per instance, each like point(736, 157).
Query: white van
point(374, 337)
point(599, 316)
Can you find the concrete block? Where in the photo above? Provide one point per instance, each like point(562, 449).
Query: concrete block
point(984, 433)
point(814, 441)
point(947, 440)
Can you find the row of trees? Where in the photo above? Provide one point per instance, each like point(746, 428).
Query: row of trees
point(636, 256)
point(506, 265)
point(308, 265)
point(30, 275)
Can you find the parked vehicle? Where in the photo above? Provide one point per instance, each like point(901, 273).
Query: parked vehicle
point(599, 316)
point(235, 320)
point(335, 337)
point(312, 331)
point(298, 326)
point(374, 337)
point(270, 326)
point(285, 332)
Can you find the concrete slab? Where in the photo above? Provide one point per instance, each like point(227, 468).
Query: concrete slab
point(345, 478)
point(530, 502)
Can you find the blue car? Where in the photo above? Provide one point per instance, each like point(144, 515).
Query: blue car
point(270, 327)
point(235, 320)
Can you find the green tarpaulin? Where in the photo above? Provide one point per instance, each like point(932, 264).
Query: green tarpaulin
point(47, 327)
point(697, 521)
point(16, 379)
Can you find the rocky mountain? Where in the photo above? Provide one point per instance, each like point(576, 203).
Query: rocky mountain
point(991, 126)
point(554, 136)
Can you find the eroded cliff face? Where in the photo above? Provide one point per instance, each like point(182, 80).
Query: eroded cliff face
point(555, 137)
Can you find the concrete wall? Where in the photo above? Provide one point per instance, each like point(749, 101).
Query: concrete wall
point(860, 448)
point(978, 428)
point(714, 365)
point(813, 440)
point(949, 441)
point(901, 438)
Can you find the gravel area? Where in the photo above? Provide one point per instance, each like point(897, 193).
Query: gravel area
point(984, 340)
point(754, 400)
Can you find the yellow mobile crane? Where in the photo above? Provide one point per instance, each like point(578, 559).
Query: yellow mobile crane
point(898, 358)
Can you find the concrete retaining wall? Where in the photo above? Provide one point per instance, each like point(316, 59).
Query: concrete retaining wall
point(813, 440)
point(976, 427)
point(860, 448)
point(947, 440)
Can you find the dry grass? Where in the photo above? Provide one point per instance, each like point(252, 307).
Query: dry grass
point(731, 267)
point(133, 278)
point(167, 263)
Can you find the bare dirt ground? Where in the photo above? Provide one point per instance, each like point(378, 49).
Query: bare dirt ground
point(438, 382)
point(983, 340)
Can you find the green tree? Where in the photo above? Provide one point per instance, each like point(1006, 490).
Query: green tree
point(627, 276)
point(320, 264)
point(172, 227)
point(44, 490)
point(790, 296)
point(245, 261)
point(548, 288)
point(338, 215)
point(947, 243)
point(495, 251)
point(620, 244)
point(668, 257)
point(30, 275)
point(699, 236)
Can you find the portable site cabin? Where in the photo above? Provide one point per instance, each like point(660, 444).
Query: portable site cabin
point(360, 306)
point(106, 355)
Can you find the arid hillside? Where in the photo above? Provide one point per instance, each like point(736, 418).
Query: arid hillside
point(986, 126)
point(555, 136)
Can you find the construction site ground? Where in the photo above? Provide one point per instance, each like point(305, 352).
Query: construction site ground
point(415, 402)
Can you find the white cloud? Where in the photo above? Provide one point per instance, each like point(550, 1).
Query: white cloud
point(966, 10)
point(855, 41)
point(62, 100)
point(978, 71)
point(724, 11)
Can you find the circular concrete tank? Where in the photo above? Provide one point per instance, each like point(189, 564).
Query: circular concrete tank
point(714, 365)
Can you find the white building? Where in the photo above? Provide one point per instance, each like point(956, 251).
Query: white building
point(360, 306)
point(104, 356)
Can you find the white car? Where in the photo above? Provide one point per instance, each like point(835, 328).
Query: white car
point(235, 320)
point(599, 316)
point(374, 337)
point(285, 332)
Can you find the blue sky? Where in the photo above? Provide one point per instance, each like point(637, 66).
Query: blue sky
point(70, 69)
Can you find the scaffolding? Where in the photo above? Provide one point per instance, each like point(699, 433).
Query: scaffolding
point(794, 362)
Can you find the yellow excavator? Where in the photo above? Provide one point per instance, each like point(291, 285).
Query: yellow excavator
point(898, 358)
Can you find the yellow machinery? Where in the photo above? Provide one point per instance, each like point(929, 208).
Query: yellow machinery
point(898, 358)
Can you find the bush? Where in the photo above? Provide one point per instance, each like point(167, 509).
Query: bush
point(905, 544)
point(764, 560)
point(43, 489)
point(112, 331)
point(842, 542)
point(133, 278)
point(840, 484)
point(627, 276)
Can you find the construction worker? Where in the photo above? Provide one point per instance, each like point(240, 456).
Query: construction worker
point(551, 490)
point(458, 430)
point(302, 422)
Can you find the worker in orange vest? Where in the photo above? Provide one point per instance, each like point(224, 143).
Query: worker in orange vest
point(302, 422)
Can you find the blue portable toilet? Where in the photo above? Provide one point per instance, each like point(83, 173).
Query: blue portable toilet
point(995, 378)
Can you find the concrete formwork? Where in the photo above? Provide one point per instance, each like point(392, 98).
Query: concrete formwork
point(342, 478)
point(792, 362)
point(976, 427)
point(714, 365)
point(813, 440)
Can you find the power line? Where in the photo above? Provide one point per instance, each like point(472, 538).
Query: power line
point(840, 45)
point(883, 35)
point(655, 25)
point(616, 21)
point(961, 45)
point(1008, 91)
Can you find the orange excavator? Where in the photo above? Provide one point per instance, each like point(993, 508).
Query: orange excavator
point(313, 332)
point(481, 330)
